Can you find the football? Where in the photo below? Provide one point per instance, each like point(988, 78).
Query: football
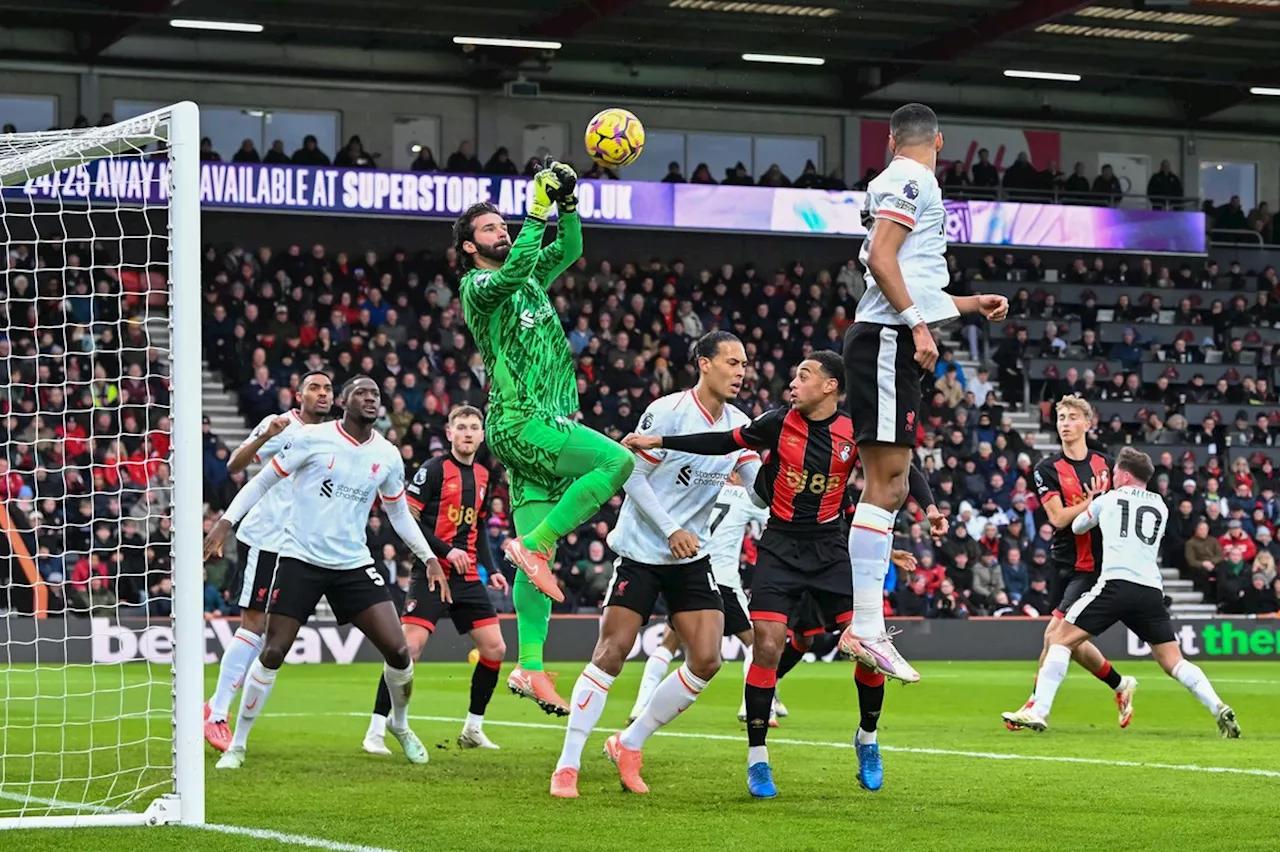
point(614, 138)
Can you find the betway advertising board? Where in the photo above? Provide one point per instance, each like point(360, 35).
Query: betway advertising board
point(106, 642)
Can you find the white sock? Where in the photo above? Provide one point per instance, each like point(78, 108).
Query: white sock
point(244, 649)
point(865, 737)
point(400, 685)
point(1192, 677)
point(674, 695)
point(870, 543)
point(377, 726)
point(757, 754)
point(585, 706)
point(655, 669)
point(473, 723)
point(258, 683)
point(1052, 673)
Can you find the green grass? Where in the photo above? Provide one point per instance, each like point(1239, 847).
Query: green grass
point(305, 774)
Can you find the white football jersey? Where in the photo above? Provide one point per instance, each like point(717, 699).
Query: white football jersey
point(1132, 522)
point(906, 192)
point(335, 481)
point(733, 512)
point(687, 484)
point(263, 527)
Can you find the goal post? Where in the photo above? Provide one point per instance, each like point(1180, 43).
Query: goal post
point(101, 474)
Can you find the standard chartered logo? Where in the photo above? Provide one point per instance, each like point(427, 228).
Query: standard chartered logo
point(1218, 639)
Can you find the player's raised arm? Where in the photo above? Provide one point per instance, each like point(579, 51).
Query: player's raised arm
point(270, 427)
point(567, 247)
point(761, 433)
point(292, 456)
point(1088, 519)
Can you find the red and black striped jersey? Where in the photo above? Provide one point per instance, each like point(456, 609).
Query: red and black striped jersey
point(1069, 479)
point(450, 498)
point(808, 466)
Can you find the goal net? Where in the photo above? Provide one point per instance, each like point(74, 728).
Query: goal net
point(101, 587)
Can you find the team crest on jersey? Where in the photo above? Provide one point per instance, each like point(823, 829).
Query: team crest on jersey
point(646, 421)
point(373, 470)
point(845, 451)
point(410, 605)
point(911, 190)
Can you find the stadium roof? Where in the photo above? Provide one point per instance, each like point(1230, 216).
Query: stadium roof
point(1199, 57)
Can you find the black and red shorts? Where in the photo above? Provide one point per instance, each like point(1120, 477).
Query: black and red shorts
point(471, 607)
point(791, 568)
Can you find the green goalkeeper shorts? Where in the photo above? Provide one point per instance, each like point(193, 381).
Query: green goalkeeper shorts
point(529, 450)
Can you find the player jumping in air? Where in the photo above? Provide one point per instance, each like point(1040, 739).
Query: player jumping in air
point(448, 496)
point(885, 350)
point(337, 470)
point(561, 472)
point(670, 498)
point(260, 537)
point(1130, 590)
point(811, 455)
point(1065, 483)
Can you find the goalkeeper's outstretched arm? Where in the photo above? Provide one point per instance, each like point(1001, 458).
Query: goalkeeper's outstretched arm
point(554, 259)
point(484, 292)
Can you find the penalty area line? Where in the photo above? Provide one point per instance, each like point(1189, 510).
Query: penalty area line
point(289, 839)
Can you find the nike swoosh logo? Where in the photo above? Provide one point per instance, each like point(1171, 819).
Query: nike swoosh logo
point(252, 704)
point(332, 459)
point(586, 701)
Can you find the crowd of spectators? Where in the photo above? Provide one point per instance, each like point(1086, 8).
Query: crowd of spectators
point(1023, 181)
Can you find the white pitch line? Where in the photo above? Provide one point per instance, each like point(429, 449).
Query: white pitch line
point(291, 839)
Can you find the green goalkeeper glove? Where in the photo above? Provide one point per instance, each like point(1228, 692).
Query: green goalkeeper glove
point(545, 184)
point(565, 196)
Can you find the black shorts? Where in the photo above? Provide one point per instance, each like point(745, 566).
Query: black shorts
point(686, 587)
point(299, 587)
point(736, 619)
point(788, 567)
point(1140, 608)
point(806, 619)
point(257, 575)
point(1067, 586)
point(882, 383)
point(471, 607)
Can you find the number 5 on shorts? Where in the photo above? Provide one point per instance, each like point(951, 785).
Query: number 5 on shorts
point(377, 578)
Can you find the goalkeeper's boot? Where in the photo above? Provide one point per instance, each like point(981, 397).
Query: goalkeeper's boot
point(564, 783)
point(1027, 717)
point(536, 565)
point(760, 781)
point(414, 750)
point(537, 687)
point(232, 758)
point(628, 761)
point(1124, 699)
point(870, 769)
point(879, 654)
point(216, 734)
point(1228, 727)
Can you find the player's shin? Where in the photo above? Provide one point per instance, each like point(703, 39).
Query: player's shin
point(1193, 678)
point(533, 616)
point(1052, 673)
point(655, 669)
point(758, 693)
point(483, 681)
point(675, 694)
point(870, 701)
point(870, 541)
point(242, 651)
point(258, 683)
point(381, 710)
point(400, 688)
point(585, 707)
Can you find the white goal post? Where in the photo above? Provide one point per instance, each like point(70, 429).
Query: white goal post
point(101, 475)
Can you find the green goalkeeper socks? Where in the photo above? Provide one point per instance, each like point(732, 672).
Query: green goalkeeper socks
point(599, 467)
point(533, 608)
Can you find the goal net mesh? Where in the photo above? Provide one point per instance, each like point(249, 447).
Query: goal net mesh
point(86, 688)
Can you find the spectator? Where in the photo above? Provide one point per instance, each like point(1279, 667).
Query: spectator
point(463, 160)
point(736, 175)
point(207, 154)
point(1017, 580)
point(1235, 536)
point(353, 156)
point(1259, 597)
point(425, 161)
point(988, 580)
point(702, 174)
point(1232, 577)
point(246, 153)
point(1106, 188)
point(276, 155)
point(773, 176)
point(1020, 175)
point(674, 174)
point(913, 601)
point(948, 603)
point(810, 178)
point(985, 174)
point(500, 164)
point(1036, 601)
point(310, 154)
point(1230, 216)
point(1261, 221)
point(1165, 188)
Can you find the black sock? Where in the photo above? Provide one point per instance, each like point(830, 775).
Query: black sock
point(870, 696)
point(382, 706)
point(790, 656)
point(758, 694)
point(1109, 676)
point(483, 681)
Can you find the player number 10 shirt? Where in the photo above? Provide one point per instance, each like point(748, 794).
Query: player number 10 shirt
point(335, 480)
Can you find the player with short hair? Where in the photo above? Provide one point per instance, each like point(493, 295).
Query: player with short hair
point(561, 471)
point(658, 542)
point(259, 539)
point(885, 350)
point(449, 497)
point(337, 469)
point(1130, 590)
point(1066, 482)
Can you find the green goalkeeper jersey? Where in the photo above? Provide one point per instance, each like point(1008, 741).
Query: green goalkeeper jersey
point(516, 327)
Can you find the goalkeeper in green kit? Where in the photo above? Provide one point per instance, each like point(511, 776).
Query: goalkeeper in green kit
point(561, 472)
